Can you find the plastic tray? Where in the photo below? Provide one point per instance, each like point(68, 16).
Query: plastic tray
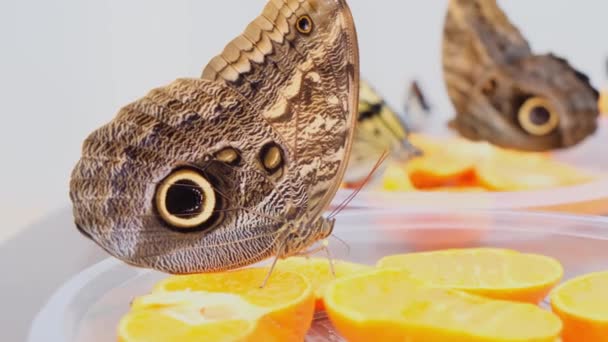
point(89, 306)
point(590, 198)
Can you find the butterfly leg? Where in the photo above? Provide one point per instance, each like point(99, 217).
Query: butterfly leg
point(330, 259)
point(325, 248)
point(274, 264)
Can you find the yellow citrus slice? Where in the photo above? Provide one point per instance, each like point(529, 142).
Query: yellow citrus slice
point(318, 271)
point(396, 179)
point(517, 171)
point(603, 102)
point(191, 316)
point(388, 305)
point(582, 304)
point(440, 170)
point(447, 163)
point(228, 306)
point(494, 273)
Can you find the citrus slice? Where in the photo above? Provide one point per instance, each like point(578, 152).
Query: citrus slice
point(494, 273)
point(396, 179)
point(191, 316)
point(582, 304)
point(447, 163)
point(318, 271)
point(440, 170)
point(388, 305)
point(228, 306)
point(513, 171)
point(603, 102)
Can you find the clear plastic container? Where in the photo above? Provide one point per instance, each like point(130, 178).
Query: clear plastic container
point(590, 198)
point(89, 306)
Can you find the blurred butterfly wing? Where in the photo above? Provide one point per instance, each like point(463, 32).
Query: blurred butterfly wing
point(496, 82)
point(379, 129)
point(417, 109)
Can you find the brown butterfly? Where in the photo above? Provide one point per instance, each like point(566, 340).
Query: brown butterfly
point(219, 172)
point(503, 92)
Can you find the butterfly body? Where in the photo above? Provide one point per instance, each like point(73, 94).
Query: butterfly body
point(504, 93)
point(234, 167)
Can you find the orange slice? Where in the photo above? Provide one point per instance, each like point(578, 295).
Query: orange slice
point(467, 189)
point(447, 163)
point(396, 178)
point(494, 273)
point(191, 316)
point(387, 305)
point(603, 102)
point(440, 170)
point(228, 306)
point(513, 171)
point(318, 271)
point(582, 304)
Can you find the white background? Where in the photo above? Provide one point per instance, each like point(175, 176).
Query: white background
point(67, 66)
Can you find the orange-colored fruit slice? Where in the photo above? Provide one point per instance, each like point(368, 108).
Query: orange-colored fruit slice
point(440, 170)
point(396, 179)
point(513, 171)
point(191, 316)
point(470, 189)
point(582, 304)
point(228, 306)
point(603, 102)
point(494, 273)
point(387, 305)
point(318, 271)
point(447, 163)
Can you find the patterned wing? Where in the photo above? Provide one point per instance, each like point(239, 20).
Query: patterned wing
point(208, 174)
point(297, 64)
point(505, 94)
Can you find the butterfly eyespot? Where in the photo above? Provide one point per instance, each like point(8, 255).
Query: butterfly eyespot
point(537, 117)
point(185, 200)
point(304, 24)
point(489, 87)
point(271, 157)
point(229, 156)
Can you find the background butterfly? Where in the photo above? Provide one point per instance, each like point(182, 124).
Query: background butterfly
point(379, 130)
point(503, 92)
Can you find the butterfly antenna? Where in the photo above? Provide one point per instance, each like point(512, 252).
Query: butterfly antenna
point(354, 194)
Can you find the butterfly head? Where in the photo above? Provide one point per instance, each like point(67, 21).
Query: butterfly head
point(535, 103)
point(300, 236)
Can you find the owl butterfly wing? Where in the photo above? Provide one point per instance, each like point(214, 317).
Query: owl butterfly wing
point(477, 37)
point(297, 65)
point(505, 94)
point(205, 174)
point(379, 130)
point(161, 185)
